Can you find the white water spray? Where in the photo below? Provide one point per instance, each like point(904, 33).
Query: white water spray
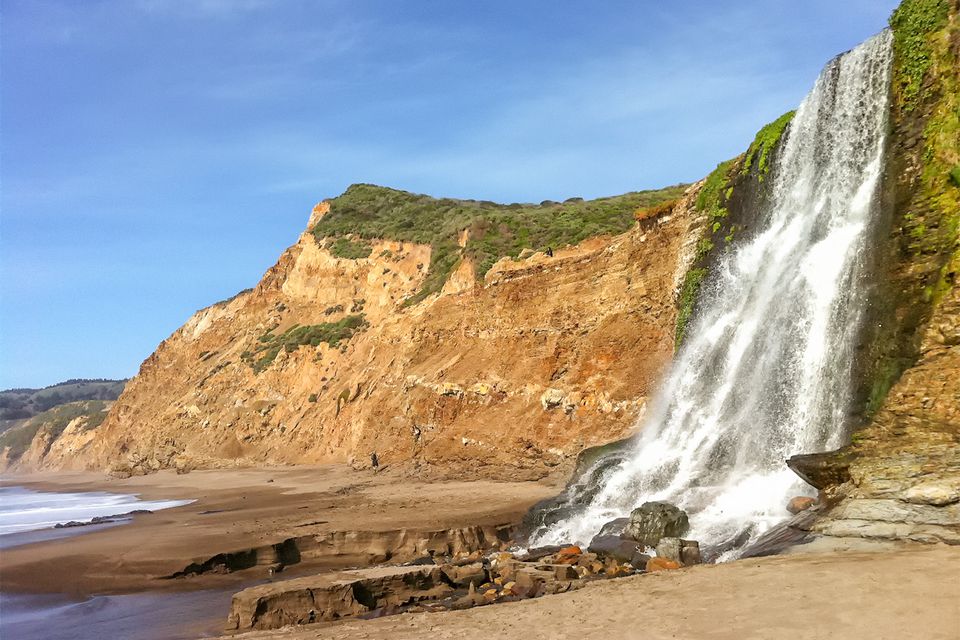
point(765, 372)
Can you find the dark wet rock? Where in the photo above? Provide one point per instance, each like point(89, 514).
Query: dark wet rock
point(640, 560)
point(538, 553)
point(614, 527)
point(101, 519)
point(690, 553)
point(823, 470)
point(787, 534)
point(654, 520)
point(613, 546)
point(593, 464)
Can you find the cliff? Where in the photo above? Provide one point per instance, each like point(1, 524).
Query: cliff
point(899, 478)
point(338, 353)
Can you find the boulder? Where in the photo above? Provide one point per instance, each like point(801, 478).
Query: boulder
point(537, 553)
point(684, 552)
point(669, 548)
point(615, 547)
point(690, 553)
point(532, 581)
point(568, 555)
point(639, 561)
point(800, 503)
point(465, 575)
point(614, 527)
point(654, 520)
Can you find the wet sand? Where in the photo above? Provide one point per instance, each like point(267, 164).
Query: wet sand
point(910, 593)
point(237, 510)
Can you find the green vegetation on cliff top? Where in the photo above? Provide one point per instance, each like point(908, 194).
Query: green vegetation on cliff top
point(495, 230)
point(347, 248)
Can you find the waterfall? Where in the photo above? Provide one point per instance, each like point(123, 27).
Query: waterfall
point(766, 368)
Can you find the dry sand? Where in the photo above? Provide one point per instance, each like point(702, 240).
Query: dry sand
point(245, 508)
point(908, 594)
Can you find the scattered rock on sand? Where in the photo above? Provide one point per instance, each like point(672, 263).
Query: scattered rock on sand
point(661, 564)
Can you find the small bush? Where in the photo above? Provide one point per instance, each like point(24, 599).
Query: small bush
point(332, 333)
point(346, 248)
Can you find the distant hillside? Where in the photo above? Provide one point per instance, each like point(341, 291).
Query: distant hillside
point(19, 405)
point(19, 435)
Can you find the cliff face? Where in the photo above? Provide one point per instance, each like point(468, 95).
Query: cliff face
point(900, 476)
point(544, 356)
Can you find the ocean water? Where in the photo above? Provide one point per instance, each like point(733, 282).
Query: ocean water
point(23, 509)
point(28, 516)
point(136, 616)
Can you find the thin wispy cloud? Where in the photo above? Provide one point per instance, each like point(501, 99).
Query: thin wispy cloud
point(159, 154)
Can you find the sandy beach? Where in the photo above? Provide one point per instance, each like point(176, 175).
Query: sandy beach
point(911, 591)
point(241, 509)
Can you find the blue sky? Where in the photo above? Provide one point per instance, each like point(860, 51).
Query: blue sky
point(158, 155)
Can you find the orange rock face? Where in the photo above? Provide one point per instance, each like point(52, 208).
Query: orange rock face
point(800, 503)
point(513, 375)
point(661, 564)
point(568, 555)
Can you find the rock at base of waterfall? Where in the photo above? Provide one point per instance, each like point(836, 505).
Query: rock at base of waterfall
point(661, 564)
point(615, 547)
point(800, 503)
point(614, 527)
point(537, 553)
point(690, 553)
point(654, 520)
point(640, 560)
point(568, 555)
point(684, 552)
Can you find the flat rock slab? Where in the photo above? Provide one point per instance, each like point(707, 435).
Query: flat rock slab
point(332, 596)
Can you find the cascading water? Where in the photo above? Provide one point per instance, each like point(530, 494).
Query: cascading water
point(766, 369)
